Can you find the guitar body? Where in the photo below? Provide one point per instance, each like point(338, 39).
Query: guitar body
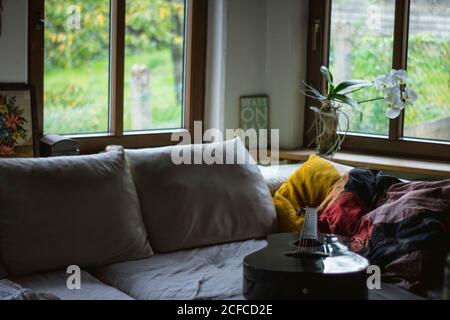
point(337, 274)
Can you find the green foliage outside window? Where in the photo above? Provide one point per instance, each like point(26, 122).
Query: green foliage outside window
point(154, 34)
point(430, 71)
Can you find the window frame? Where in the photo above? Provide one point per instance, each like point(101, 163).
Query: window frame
point(395, 144)
point(194, 77)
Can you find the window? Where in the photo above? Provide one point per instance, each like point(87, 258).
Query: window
point(76, 74)
point(366, 38)
point(361, 48)
point(118, 71)
point(154, 50)
point(429, 68)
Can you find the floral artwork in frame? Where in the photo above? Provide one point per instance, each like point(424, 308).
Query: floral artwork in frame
point(17, 122)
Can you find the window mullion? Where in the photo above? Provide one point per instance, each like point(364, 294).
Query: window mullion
point(400, 57)
point(195, 73)
point(117, 66)
point(36, 57)
point(318, 52)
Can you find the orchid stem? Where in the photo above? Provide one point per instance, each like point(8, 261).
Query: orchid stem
point(370, 100)
point(356, 90)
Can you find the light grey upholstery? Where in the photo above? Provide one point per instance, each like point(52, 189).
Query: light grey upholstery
point(192, 205)
point(56, 284)
point(56, 212)
point(392, 292)
point(206, 273)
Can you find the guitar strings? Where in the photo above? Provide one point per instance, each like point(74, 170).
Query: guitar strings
point(302, 242)
point(300, 239)
point(308, 218)
point(307, 221)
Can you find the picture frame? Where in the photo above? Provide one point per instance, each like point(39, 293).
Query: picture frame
point(18, 121)
point(254, 112)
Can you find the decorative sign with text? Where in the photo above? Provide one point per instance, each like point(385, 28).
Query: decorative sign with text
point(254, 112)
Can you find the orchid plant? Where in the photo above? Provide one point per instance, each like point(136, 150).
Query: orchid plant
point(395, 92)
point(392, 87)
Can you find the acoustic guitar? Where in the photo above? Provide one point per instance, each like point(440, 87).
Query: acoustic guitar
point(305, 266)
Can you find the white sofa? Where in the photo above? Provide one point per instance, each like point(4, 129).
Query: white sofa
point(207, 272)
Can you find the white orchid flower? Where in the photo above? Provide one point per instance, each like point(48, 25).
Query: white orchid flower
point(393, 97)
point(393, 113)
point(409, 96)
point(394, 79)
point(400, 76)
point(395, 104)
point(384, 81)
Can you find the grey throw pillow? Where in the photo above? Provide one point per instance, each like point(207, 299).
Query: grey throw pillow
point(65, 211)
point(188, 205)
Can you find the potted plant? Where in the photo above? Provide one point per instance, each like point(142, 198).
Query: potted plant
point(329, 133)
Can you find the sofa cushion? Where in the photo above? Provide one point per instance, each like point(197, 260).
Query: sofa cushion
point(275, 176)
point(206, 273)
point(56, 283)
point(58, 212)
point(187, 206)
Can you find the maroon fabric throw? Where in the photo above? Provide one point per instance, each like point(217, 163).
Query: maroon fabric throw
point(408, 236)
point(404, 228)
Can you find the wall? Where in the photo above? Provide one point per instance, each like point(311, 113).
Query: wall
point(14, 42)
point(257, 47)
point(215, 64)
point(245, 72)
point(286, 47)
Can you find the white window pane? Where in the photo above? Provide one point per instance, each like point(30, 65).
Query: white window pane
point(76, 76)
point(361, 48)
point(154, 62)
point(429, 69)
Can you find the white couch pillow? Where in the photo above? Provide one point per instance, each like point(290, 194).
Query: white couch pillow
point(192, 205)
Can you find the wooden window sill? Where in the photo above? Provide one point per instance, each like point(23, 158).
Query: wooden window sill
point(395, 164)
point(94, 143)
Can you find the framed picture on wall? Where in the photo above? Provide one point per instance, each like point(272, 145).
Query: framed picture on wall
point(18, 136)
point(254, 113)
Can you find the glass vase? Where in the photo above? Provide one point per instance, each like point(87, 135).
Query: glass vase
point(328, 141)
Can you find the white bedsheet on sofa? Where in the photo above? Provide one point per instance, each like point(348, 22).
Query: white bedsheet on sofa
point(211, 273)
point(206, 273)
point(56, 284)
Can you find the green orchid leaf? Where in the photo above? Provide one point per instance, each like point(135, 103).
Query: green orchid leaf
point(327, 74)
point(331, 89)
point(346, 100)
point(352, 85)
